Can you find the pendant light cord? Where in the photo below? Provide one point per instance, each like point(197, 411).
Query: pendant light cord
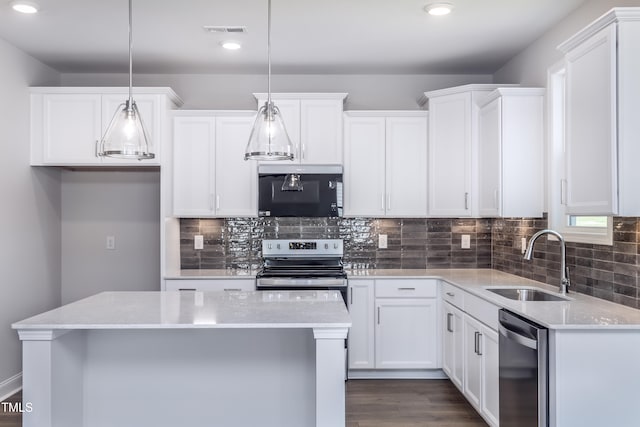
point(269, 57)
point(130, 105)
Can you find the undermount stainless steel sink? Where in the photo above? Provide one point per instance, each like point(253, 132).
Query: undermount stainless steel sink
point(526, 294)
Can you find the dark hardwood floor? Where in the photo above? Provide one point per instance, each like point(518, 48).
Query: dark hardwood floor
point(380, 403)
point(408, 403)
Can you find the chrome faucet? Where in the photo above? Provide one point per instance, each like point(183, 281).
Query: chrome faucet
point(565, 282)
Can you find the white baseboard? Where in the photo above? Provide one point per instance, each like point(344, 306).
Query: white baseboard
point(387, 374)
point(10, 386)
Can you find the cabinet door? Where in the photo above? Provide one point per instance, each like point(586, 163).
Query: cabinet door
point(450, 155)
point(193, 160)
point(150, 111)
point(472, 361)
point(490, 376)
point(361, 335)
point(591, 128)
point(406, 333)
point(321, 131)
point(452, 344)
point(235, 178)
point(364, 166)
point(490, 160)
point(406, 166)
point(71, 128)
point(290, 110)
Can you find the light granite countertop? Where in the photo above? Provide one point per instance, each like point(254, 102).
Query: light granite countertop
point(211, 274)
point(189, 310)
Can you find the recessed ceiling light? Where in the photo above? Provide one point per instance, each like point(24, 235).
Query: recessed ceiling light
point(25, 6)
point(231, 45)
point(438, 9)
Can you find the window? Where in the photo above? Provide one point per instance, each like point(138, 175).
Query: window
point(574, 228)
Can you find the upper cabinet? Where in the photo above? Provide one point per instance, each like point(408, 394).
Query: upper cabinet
point(68, 123)
point(210, 176)
point(453, 136)
point(602, 126)
point(510, 158)
point(314, 124)
point(385, 159)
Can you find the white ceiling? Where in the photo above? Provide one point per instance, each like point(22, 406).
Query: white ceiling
point(308, 36)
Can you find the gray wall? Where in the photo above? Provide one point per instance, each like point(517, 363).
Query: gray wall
point(234, 92)
point(530, 66)
point(30, 214)
point(98, 204)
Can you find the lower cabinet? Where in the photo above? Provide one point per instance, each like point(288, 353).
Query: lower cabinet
point(394, 324)
point(210, 285)
point(470, 350)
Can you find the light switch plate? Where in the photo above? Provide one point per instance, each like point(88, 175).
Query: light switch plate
point(466, 241)
point(523, 245)
point(198, 242)
point(111, 243)
point(382, 241)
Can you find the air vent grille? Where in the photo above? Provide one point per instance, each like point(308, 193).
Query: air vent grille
point(225, 29)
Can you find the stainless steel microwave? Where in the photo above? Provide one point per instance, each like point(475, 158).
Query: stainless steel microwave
point(300, 190)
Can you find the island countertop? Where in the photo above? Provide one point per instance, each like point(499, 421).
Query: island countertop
point(182, 310)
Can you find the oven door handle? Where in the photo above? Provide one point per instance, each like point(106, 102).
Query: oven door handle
point(291, 282)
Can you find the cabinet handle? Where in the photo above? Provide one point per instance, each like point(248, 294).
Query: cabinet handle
point(304, 151)
point(378, 315)
point(382, 202)
point(187, 289)
point(449, 322)
point(389, 201)
point(217, 202)
point(211, 208)
point(351, 296)
point(563, 190)
point(495, 199)
point(406, 289)
point(476, 344)
point(233, 289)
point(466, 201)
point(97, 148)
point(451, 294)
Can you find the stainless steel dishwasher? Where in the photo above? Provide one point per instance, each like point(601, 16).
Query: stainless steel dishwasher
point(524, 377)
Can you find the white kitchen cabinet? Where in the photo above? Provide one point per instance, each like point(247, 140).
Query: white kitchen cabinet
point(602, 129)
point(472, 354)
point(452, 153)
point(385, 164)
point(510, 155)
point(406, 331)
point(68, 123)
point(314, 124)
point(361, 334)
point(228, 285)
point(453, 344)
point(210, 176)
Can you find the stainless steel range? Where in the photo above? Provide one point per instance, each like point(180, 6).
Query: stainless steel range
point(302, 264)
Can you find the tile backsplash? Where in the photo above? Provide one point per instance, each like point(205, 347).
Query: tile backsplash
point(411, 243)
point(608, 272)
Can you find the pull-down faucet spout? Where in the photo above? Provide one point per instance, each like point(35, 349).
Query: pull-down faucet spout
point(565, 282)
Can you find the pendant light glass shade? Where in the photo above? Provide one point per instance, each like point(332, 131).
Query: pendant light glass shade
point(269, 139)
point(126, 137)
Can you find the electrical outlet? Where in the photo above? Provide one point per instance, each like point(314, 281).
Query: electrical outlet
point(382, 241)
point(111, 242)
point(523, 245)
point(466, 241)
point(198, 242)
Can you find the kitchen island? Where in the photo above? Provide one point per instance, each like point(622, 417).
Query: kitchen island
point(187, 358)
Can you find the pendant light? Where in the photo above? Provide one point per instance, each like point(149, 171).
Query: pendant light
point(126, 137)
point(269, 139)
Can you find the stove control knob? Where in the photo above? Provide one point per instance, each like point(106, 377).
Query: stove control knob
point(269, 245)
point(278, 245)
point(335, 246)
point(326, 246)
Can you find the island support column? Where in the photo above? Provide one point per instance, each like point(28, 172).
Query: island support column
point(330, 376)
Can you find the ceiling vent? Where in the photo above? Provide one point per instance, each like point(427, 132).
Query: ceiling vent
point(225, 29)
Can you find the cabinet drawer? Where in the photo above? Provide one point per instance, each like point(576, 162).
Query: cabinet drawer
point(453, 295)
point(406, 288)
point(210, 285)
point(482, 310)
